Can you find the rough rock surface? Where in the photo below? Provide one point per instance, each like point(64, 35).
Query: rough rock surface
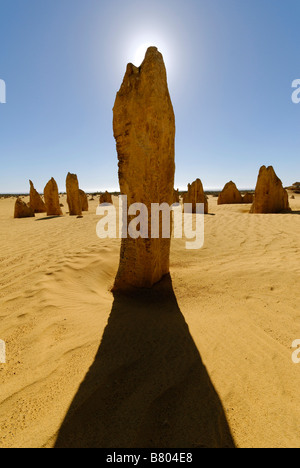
point(270, 196)
point(105, 198)
point(22, 210)
point(195, 194)
point(73, 197)
point(230, 195)
point(83, 200)
point(144, 129)
point(248, 198)
point(36, 201)
point(52, 199)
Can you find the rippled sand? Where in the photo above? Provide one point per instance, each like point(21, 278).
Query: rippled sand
point(232, 306)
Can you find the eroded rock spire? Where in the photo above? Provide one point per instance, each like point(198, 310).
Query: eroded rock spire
point(144, 129)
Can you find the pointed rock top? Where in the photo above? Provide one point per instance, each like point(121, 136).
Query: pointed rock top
point(151, 74)
point(270, 196)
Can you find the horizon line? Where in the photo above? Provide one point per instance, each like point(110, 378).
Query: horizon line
point(91, 192)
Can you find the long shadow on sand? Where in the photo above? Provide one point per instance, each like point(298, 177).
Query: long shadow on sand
point(147, 387)
point(49, 217)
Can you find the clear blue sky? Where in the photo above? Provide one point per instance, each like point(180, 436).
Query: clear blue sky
point(230, 67)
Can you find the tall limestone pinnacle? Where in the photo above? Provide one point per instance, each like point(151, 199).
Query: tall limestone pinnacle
point(195, 194)
point(36, 201)
point(73, 195)
point(52, 199)
point(144, 129)
point(270, 196)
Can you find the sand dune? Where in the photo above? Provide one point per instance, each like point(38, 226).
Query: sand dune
point(219, 352)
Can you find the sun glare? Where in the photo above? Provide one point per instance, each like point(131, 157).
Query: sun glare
point(135, 49)
point(140, 53)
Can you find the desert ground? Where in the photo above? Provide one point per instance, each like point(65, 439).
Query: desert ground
point(213, 342)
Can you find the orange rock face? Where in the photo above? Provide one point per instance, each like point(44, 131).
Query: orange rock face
point(36, 201)
point(105, 198)
point(196, 195)
point(83, 200)
point(270, 196)
point(248, 198)
point(73, 197)
point(22, 210)
point(52, 199)
point(144, 129)
point(230, 195)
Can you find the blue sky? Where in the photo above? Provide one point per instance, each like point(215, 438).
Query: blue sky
point(230, 64)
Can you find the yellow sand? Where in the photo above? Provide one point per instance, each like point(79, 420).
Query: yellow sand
point(239, 296)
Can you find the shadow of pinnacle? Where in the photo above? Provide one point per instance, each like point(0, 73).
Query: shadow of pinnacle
point(147, 387)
